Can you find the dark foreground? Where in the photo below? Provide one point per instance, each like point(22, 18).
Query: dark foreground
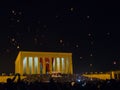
point(91, 85)
point(53, 85)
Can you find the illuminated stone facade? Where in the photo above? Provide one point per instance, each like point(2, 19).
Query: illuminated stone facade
point(43, 63)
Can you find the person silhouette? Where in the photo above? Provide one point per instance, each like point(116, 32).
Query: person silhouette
point(9, 80)
point(10, 85)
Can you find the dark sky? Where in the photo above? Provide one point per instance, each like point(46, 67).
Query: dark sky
point(90, 30)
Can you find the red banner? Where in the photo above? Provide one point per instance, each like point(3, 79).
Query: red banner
point(41, 60)
point(47, 64)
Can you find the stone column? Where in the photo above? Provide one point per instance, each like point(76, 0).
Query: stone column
point(50, 64)
point(66, 66)
point(70, 64)
point(44, 66)
point(56, 64)
point(53, 65)
point(60, 65)
point(64, 70)
point(30, 64)
point(69, 67)
point(27, 70)
point(113, 75)
point(33, 66)
point(38, 70)
point(21, 66)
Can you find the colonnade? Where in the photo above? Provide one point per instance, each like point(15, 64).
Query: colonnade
point(46, 65)
point(43, 63)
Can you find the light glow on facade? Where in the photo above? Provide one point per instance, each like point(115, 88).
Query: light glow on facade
point(35, 64)
point(43, 63)
point(58, 64)
point(24, 65)
point(30, 64)
point(63, 64)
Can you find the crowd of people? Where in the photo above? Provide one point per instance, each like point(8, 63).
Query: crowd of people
point(26, 84)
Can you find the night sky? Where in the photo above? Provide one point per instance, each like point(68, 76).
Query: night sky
point(89, 30)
